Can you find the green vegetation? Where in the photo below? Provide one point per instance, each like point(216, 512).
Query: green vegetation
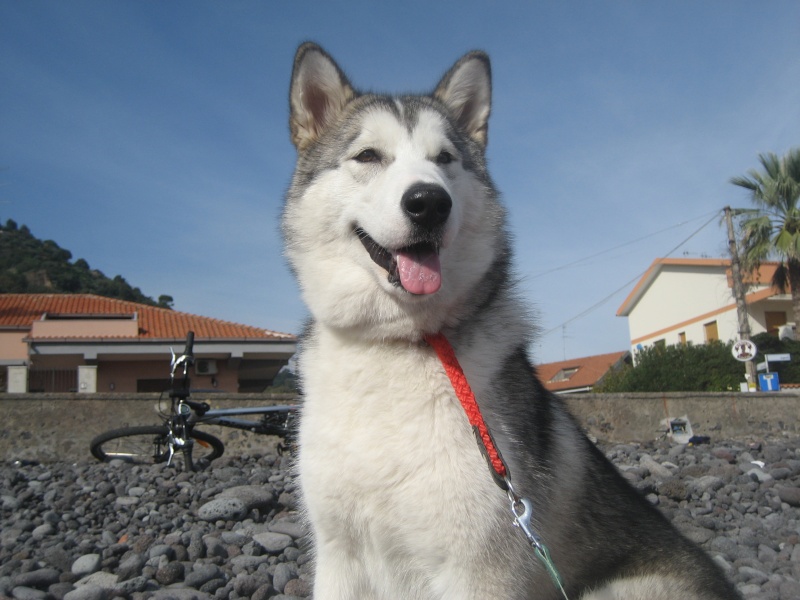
point(788, 372)
point(704, 368)
point(31, 266)
point(772, 229)
point(285, 382)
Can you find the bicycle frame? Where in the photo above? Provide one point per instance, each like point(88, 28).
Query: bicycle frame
point(223, 417)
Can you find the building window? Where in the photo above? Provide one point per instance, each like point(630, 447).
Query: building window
point(660, 344)
point(682, 338)
point(774, 320)
point(712, 334)
point(564, 374)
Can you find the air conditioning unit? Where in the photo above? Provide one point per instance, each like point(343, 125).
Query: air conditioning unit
point(205, 366)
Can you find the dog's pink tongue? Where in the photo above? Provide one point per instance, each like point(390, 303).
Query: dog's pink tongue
point(420, 272)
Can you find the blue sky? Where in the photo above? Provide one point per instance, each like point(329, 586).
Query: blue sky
point(151, 138)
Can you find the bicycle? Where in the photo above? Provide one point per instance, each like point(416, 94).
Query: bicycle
point(159, 443)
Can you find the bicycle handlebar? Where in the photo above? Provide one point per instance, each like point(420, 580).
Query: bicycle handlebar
point(200, 408)
point(187, 351)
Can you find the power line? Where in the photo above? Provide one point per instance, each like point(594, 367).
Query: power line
point(617, 247)
point(618, 290)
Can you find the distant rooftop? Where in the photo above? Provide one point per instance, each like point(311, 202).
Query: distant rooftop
point(578, 374)
point(21, 311)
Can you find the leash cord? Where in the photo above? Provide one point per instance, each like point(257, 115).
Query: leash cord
point(521, 508)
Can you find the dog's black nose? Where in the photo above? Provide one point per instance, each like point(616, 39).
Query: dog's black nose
point(427, 205)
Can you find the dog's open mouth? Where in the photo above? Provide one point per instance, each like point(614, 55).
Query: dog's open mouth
point(415, 268)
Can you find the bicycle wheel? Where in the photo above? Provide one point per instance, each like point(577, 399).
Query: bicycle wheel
point(206, 447)
point(148, 444)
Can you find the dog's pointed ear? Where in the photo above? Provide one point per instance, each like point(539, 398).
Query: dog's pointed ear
point(466, 90)
point(318, 94)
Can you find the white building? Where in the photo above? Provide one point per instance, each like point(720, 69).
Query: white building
point(686, 300)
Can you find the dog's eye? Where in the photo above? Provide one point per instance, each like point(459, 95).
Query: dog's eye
point(444, 158)
point(367, 156)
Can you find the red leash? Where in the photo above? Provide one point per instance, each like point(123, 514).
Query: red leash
point(522, 508)
point(447, 356)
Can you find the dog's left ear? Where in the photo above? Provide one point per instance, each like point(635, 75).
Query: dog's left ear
point(318, 94)
point(466, 90)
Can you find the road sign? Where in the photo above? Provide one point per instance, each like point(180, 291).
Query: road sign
point(778, 357)
point(744, 350)
point(769, 382)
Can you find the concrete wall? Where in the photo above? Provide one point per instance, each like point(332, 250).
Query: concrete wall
point(47, 427)
point(637, 417)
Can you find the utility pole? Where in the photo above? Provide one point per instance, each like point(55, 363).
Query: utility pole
point(738, 294)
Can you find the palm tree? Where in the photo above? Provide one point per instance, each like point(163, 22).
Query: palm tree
point(772, 229)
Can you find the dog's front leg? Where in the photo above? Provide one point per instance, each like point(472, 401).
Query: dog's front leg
point(339, 576)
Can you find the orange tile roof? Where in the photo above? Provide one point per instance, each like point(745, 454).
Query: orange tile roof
point(590, 370)
point(19, 311)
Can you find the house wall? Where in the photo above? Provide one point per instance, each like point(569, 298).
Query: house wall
point(85, 328)
point(678, 294)
point(12, 348)
point(123, 376)
point(683, 299)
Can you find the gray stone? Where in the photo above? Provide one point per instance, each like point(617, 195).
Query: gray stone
point(202, 574)
point(86, 565)
point(295, 530)
point(180, 594)
point(282, 575)
point(87, 592)
point(272, 542)
point(170, 573)
point(40, 578)
point(22, 592)
point(252, 496)
point(759, 474)
point(214, 546)
point(790, 590)
point(655, 468)
point(42, 531)
point(162, 550)
point(223, 508)
point(130, 586)
point(244, 562)
point(789, 495)
point(130, 567)
point(707, 483)
point(101, 579)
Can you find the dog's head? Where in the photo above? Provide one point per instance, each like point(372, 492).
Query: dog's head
point(391, 220)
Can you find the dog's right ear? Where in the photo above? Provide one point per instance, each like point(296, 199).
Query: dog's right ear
point(318, 94)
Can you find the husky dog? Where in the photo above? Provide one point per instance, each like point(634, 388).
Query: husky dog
point(394, 230)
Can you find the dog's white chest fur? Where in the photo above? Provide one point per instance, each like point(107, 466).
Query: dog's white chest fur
point(391, 472)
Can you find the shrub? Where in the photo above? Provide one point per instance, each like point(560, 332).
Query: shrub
point(704, 368)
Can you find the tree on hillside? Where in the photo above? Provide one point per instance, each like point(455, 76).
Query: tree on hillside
point(772, 229)
point(32, 266)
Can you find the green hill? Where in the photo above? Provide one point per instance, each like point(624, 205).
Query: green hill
point(32, 266)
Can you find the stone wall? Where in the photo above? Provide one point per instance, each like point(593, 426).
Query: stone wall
point(48, 427)
point(637, 417)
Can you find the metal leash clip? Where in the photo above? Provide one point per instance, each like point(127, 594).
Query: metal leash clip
point(522, 509)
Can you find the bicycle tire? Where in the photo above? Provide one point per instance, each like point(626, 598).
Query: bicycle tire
point(147, 445)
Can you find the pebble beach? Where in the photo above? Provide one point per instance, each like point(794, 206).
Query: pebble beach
point(99, 531)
